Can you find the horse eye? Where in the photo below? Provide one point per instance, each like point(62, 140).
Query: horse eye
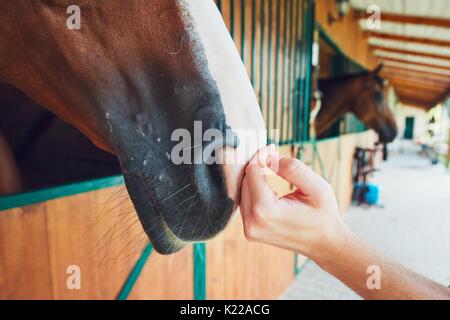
point(378, 97)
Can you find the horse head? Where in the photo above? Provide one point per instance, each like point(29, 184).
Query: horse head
point(158, 83)
point(371, 108)
point(363, 95)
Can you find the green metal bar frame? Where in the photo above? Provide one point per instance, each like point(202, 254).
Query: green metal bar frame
point(297, 76)
point(243, 30)
point(291, 66)
point(232, 18)
point(283, 73)
point(261, 61)
point(308, 28)
point(199, 271)
point(277, 60)
point(253, 42)
point(135, 273)
point(269, 66)
point(33, 197)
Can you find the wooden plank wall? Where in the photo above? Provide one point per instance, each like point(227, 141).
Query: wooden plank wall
point(346, 33)
point(97, 231)
point(337, 156)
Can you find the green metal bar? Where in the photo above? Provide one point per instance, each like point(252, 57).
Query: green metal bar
point(253, 42)
point(261, 62)
point(219, 5)
point(283, 73)
point(135, 273)
point(301, 79)
point(297, 70)
point(277, 60)
point(199, 271)
point(301, 83)
point(269, 67)
point(291, 66)
point(32, 197)
point(309, 32)
point(232, 18)
point(243, 30)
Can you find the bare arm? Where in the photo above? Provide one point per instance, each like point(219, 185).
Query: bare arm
point(307, 221)
point(373, 275)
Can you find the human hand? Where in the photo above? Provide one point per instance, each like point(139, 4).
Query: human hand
point(306, 221)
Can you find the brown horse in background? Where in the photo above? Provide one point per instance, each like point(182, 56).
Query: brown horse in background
point(363, 95)
point(134, 73)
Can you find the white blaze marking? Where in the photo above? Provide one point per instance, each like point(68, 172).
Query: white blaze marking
point(238, 98)
point(225, 65)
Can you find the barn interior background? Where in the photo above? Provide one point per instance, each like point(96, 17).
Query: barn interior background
point(88, 223)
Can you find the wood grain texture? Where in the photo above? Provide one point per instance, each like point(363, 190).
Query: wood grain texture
point(239, 269)
point(346, 33)
point(10, 181)
point(166, 277)
point(97, 231)
point(24, 254)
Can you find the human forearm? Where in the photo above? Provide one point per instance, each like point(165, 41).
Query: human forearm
point(358, 265)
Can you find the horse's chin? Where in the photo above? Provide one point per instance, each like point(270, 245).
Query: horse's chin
point(161, 237)
point(173, 215)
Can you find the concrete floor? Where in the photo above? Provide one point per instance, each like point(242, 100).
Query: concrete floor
point(413, 227)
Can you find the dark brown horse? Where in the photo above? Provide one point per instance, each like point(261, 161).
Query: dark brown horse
point(363, 95)
point(137, 71)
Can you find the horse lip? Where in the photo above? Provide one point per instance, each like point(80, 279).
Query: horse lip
point(151, 214)
point(164, 242)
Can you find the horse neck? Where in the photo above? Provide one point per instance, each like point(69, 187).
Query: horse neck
point(338, 96)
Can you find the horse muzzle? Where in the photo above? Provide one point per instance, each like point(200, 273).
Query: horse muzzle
point(179, 204)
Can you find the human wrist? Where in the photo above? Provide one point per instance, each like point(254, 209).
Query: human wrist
point(335, 239)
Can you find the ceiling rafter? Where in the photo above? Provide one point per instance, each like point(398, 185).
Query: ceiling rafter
point(410, 52)
point(400, 18)
point(416, 85)
point(415, 80)
point(398, 37)
point(418, 63)
point(427, 75)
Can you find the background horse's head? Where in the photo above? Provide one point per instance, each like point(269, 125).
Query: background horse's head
point(371, 108)
point(361, 94)
point(134, 79)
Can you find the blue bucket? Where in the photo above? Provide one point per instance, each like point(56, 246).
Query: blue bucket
point(372, 194)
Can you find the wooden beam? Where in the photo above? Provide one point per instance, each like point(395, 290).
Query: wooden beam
point(414, 76)
point(400, 18)
point(417, 73)
point(420, 86)
point(443, 97)
point(415, 103)
point(405, 77)
point(417, 94)
point(417, 63)
point(410, 52)
point(397, 37)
